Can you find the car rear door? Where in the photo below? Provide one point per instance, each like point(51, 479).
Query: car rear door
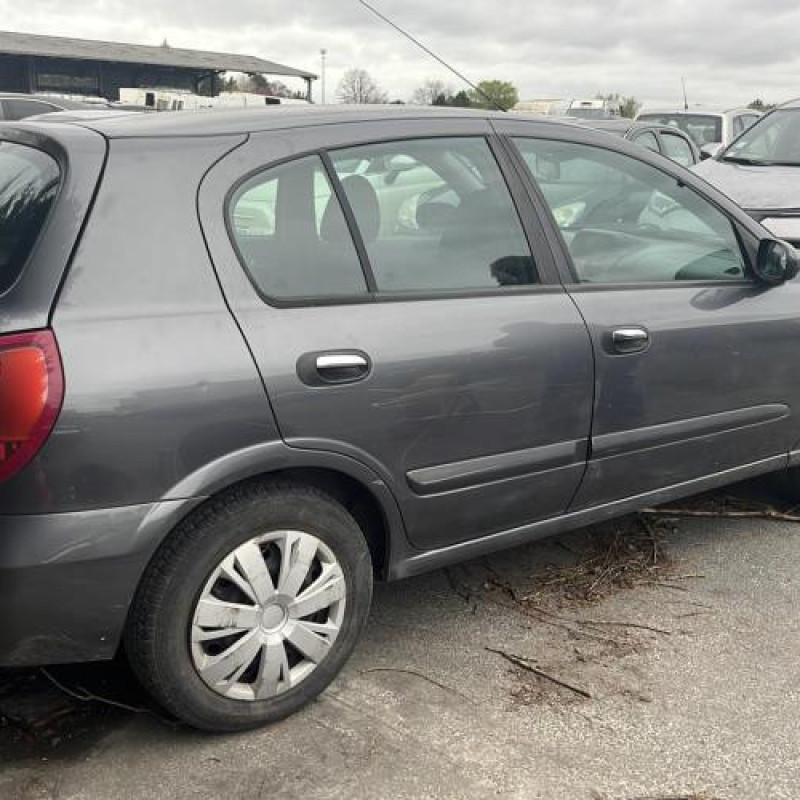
point(402, 315)
point(696, 372)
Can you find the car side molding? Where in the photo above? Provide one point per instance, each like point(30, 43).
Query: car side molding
point(405, 566)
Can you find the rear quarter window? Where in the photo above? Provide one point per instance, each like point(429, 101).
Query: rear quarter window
point(29, 181)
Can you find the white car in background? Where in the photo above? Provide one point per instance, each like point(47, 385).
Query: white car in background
point(709, 128)
point(760, 171)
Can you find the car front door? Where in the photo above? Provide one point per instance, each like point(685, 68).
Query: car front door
point(402, 315)
point(696, 371)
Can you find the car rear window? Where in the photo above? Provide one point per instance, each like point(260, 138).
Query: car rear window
point(703, 129)
point(29, 181)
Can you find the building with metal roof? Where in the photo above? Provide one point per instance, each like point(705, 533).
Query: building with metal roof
point(33, 63)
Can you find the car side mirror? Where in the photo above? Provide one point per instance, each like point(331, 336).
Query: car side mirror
point(776, 262)
point(710, 150)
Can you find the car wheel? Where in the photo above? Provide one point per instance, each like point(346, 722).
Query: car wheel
point(785, 484)
point(251, 607)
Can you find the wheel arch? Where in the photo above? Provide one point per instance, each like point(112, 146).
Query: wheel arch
point(363, 493)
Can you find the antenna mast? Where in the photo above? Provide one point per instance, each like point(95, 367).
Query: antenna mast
point(433, 55)
point(685, 101)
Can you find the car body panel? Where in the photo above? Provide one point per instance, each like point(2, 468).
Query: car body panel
point(81, 157)
point(158, 379)
point(659, 420)
point(445, 390)
point(726, 328)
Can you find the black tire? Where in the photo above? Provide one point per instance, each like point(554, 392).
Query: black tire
point(157, 634)
point(785, 484)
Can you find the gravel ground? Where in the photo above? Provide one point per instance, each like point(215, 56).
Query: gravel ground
point(679, 648)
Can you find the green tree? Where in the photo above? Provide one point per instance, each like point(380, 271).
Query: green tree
point(494, 94)
point(460, 100)
point(759, 105)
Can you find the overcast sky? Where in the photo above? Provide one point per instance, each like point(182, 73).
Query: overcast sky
point(730, 51)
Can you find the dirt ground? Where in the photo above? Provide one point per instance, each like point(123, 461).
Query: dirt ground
point(654, 658)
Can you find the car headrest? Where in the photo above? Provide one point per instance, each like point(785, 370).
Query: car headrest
point(477, 218)
point(364, 202)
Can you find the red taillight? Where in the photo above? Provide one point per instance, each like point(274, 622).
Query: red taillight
point(31, 390)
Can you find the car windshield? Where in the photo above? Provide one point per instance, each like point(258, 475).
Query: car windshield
point(774, 139)
point(702, 128)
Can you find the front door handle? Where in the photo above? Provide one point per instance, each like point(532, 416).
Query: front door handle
point(630, 340)
point(330, 368)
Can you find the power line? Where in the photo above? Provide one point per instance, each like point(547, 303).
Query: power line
point(433, 55)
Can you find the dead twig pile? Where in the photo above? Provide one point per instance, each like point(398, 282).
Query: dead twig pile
point(627, 555)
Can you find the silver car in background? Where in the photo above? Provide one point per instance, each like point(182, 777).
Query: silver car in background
point(706, 126)
point(761, 171)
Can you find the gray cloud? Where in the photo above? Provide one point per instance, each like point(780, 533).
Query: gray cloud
point(730, 51)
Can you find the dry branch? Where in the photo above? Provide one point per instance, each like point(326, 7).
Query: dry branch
point(524, 663)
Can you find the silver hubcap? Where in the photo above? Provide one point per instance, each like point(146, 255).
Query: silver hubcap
point(268, 615)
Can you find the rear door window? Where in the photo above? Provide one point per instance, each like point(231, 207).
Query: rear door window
point(435, 215)
point(29, 181)
point(292, 236)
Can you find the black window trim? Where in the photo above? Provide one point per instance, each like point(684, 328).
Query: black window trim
point(575, 284)
point(549, 279)
point(350, 221)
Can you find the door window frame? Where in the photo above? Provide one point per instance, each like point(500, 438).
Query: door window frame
point(569, 273)
point(685, 138)
point(530, 222)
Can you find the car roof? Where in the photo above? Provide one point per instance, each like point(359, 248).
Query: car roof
point(47, 98)
point(618, 126)
point(708, 110)
point(210, 122)
point(794, 103)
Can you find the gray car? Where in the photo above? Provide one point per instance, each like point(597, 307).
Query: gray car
point(250, 362)
point(670, 141)
point(761, 171)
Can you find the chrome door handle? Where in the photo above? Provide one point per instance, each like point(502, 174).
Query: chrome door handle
point(630, 340)
point(341, 361)
point(331, 368)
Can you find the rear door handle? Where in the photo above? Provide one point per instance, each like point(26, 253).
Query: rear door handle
point(630, 340)
point(333, 361)
point(330, 368)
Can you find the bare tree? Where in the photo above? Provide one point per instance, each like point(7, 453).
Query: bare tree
point(430, 91)
point(358, 86)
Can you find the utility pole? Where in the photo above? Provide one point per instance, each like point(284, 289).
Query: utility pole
point(322, 53)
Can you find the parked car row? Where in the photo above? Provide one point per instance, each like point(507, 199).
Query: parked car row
point(357, 343)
